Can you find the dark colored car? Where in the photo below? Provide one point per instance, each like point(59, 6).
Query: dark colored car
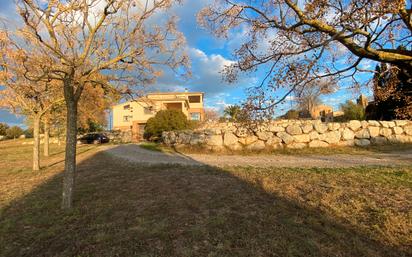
point(94, 138)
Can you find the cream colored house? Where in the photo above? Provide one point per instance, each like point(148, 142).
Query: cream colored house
point(133, 115)
point(324, 113)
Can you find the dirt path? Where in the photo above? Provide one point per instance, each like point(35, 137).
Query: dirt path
point(135, 154)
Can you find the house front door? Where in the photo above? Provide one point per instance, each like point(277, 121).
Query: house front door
point(141, 131)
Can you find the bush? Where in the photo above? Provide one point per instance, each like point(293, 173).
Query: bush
point(166, 120)
point(352, 111)
point(3, 129)
point(14, 132)
point(28, 133)
point(291, 115)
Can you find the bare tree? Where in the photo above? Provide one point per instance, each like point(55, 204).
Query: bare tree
point(211, 114)
point(308, 97)
point(82, 38)
point(300, 42)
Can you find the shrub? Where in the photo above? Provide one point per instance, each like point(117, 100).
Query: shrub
point(28, 133)
point(14, 132)
point(3, 129)
point(166, 120)
point(291, 115)
point(352, 111)
point(236, 113)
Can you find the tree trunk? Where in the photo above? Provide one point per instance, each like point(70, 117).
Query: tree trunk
point(71, 140)
point(46, 138)
point(36, 144)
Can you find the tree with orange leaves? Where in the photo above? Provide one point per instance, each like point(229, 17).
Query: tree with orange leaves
point(33, 99)
point(81, 38)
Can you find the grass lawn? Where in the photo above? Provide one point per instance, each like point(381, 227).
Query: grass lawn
point(128, 210)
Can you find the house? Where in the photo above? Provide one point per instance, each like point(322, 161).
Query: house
point(322, 112)
point(363, 101)
point(133, 115)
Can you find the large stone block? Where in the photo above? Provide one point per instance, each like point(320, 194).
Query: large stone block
point(264, 135)
point(374, 123)
point(248, 140)
point(306, 128)
point(286, 138)
point(294, 130)
point(274, 140)
point(197, 139)
point(386, 132)
point(169, 138)
point(362, 142)
point(314, 135)
point(235, 147)
point(363, 133)
point(318, 143)
point(296, 145)
point(183, 138)
point(304, 138)
point(213, 131)
point(256, 146)
point(403, 139)
point(275, 146)
point(388, 124)
point(320, 127)
point(276, 128)
point(364, 124)
point(391, 124)
point(333, 126)
point(242, 132)
point(401, 123)
point(214, 140)
point(354, 125)
point(408, 130)
point(397, 130)
point(374, 131)
point(229, 139)
point(332, 137)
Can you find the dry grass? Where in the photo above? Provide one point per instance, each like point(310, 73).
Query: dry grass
point(127, 210)
point(287, 151)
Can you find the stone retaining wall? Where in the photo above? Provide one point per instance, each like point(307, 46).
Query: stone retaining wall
point(292, 134)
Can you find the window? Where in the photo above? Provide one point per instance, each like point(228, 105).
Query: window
point(127, 118)
point(126, 107)
point(195, 116)
point(148, 110)
point(194, 99)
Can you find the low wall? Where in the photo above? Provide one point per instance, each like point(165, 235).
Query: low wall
point(118, 136)
point(292, 134)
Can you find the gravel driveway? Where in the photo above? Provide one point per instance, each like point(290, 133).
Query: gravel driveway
point(135, 154)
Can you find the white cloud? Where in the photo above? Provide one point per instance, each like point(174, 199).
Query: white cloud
point(206, 76)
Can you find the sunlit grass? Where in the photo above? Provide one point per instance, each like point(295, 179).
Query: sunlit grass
point(124, 209)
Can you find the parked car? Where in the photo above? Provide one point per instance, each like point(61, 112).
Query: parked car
point(94, 138)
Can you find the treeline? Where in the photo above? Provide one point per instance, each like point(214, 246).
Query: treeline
point(13, 132)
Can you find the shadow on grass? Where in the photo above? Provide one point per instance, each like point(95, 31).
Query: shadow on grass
point(80, 150)
point(123, 209)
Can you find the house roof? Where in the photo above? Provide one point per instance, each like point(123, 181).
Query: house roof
point(152, 101)
point(175, 93)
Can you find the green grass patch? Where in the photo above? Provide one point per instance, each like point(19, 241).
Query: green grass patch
point(151, 146)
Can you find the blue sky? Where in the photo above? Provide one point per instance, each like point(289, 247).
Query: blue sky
point(208, 55)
